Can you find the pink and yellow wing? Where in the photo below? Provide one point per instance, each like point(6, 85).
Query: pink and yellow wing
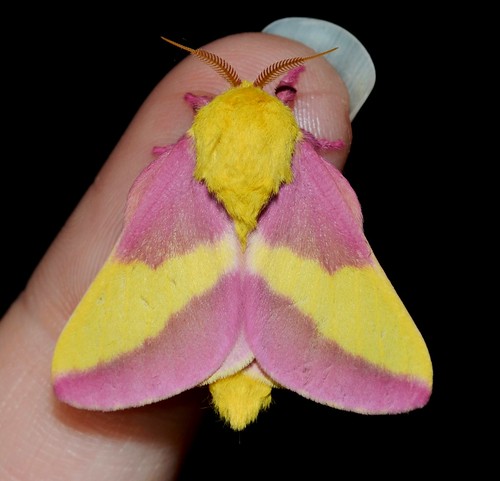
point(162, 314)
point(322, 317)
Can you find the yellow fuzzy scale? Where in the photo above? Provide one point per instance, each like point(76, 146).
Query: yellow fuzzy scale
point(245, 139)
point(239, 398)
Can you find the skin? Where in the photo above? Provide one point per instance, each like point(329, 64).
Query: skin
point(41, 438)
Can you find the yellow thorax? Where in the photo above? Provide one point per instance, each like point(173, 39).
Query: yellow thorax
point(245, 139)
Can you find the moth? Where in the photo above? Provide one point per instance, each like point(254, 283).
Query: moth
point(243, 266)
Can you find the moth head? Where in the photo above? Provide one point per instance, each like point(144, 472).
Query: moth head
point(227, 72)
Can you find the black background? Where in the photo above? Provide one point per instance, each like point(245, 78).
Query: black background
point(74, 81)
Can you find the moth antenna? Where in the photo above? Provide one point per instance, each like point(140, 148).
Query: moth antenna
point(279, 68)
point(225, 70)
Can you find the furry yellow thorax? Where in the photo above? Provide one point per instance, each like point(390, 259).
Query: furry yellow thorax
point(245, 139)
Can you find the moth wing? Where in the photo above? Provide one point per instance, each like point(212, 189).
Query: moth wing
point(162, 314)
point(322, 317)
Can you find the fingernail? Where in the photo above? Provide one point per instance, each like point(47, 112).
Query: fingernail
point(351, 60)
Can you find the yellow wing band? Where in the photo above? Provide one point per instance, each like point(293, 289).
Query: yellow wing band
point(130, 303)
point(357, 308)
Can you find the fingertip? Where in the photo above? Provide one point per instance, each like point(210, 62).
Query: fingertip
point(351, 59)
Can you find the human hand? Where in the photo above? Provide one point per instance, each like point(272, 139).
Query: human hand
point(147, 442)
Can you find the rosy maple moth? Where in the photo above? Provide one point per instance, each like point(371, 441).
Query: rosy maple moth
point(242, 265)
